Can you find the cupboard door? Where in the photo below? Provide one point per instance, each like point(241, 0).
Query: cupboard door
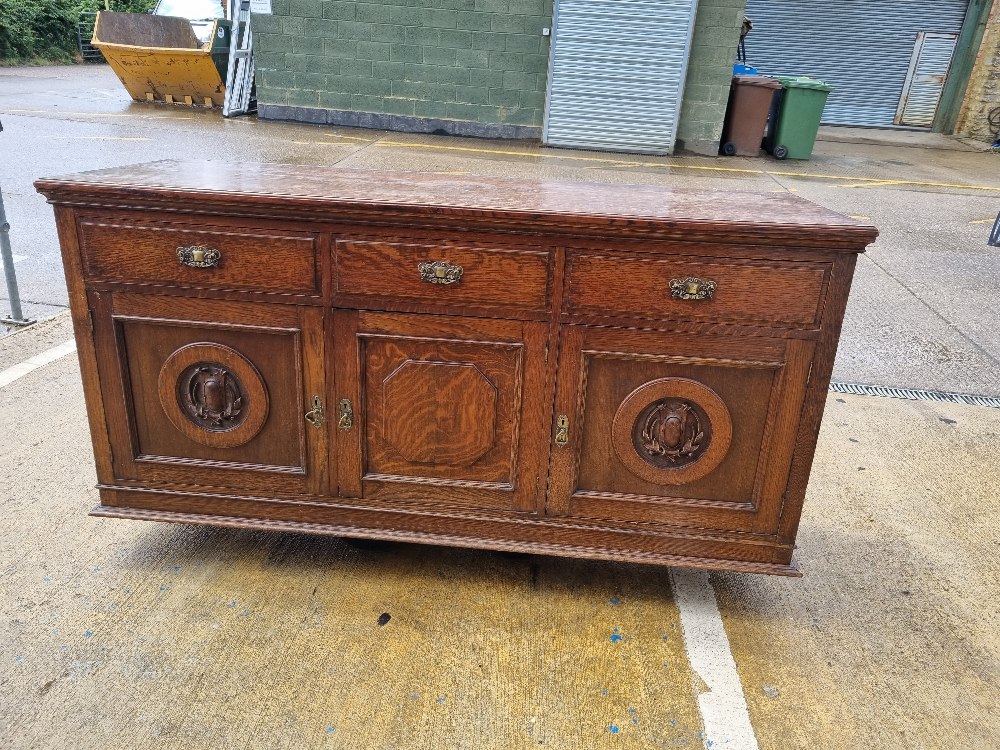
point(678, 429)
point(441, 410)
point(213, 393)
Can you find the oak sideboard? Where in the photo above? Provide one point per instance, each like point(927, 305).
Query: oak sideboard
point(618, 372)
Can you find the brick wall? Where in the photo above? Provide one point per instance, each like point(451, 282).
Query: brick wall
point(710, 69)
point(448, 61)
point(983, 92)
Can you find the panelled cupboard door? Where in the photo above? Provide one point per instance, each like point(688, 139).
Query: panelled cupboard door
point(440, 410)
point(213, 393)
point(674, 428)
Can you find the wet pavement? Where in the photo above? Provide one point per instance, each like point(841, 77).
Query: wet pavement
point(142, 635)
point(921, 314)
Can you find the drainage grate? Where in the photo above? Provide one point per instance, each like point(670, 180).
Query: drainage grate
point(914, 395)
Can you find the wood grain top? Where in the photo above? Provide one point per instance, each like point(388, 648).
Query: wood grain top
point(330, 191)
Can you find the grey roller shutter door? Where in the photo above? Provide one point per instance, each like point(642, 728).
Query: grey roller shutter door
point(616, 74)
point(862, 47)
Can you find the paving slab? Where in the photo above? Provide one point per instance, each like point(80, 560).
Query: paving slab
point(142, 635)
point(892, 638)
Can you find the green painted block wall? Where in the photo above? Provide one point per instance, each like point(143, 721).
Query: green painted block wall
point(710, 70)
point(482, 61)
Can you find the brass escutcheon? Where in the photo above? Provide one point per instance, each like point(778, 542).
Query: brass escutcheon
point(562, 430)
point(440, 272)
point(315, 415)
point(692, 288)
point(346, 420)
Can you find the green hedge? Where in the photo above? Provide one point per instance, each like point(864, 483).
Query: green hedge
point(31, 29)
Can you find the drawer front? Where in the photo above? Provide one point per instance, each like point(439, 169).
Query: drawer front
point(148, 253)
point(699, 288)
point(444, 273)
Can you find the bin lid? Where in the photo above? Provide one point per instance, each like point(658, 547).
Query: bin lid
point(803, 82)
point(764, 81)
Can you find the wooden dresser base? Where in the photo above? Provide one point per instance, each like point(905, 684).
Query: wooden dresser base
point(500, 544)
point(615, 372)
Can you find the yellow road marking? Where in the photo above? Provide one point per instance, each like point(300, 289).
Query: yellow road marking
point(864, 181)
point(350, 137)
point(876, 183)
point(862, 218)
point(94, 114)
point(983, 221)
point(873, 181)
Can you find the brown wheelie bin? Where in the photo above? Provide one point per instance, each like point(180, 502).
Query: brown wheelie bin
point(746, 117)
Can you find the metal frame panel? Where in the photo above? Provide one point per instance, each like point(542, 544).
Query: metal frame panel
point(929, 66)
point(609, 84)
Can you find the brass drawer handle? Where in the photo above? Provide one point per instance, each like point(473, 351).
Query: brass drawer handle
point(692, 288)
point(199, 256)
point(315, 415)
point(440, 272)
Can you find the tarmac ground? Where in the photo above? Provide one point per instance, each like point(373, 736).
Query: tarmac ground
point(140, 635)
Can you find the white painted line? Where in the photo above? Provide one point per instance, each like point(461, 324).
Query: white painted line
point(11, 374)
point(723, 706)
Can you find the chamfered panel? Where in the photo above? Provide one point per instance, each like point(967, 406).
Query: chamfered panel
point(441, 409)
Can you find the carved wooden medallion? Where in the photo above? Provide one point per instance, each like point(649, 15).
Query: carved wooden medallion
point(672, 431)
point(213, 394)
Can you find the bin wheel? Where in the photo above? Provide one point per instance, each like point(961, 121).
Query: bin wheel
point(780, 152)
point(729, 149)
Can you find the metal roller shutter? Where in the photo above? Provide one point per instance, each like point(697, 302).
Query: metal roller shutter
point(616, 74)
point(862, 47)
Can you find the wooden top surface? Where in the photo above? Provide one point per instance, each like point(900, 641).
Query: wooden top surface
point(587, 206)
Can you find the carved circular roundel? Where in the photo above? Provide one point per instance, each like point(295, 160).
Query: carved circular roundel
point(672, 431)
point(213, 395)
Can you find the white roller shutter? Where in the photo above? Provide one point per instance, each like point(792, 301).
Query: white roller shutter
point(862, 47)
point(925, 79)
point(616, 74)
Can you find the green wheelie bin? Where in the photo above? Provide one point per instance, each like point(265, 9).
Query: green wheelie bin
point(793, 128)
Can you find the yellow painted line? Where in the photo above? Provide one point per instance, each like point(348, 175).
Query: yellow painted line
point(983, 221)
point(318, 143)
point(350, 138)
point(93, 114)
point(862, 218)
point(874, 181)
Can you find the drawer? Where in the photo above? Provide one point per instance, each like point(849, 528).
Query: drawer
point(444, 273)
point(145, 252)
point(787, 293)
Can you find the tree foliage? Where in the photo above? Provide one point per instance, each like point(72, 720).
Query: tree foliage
point(47, 28)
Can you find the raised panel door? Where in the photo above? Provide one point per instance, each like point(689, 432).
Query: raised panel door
point(443, 410)
point(213, 393)
point(677, 429)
